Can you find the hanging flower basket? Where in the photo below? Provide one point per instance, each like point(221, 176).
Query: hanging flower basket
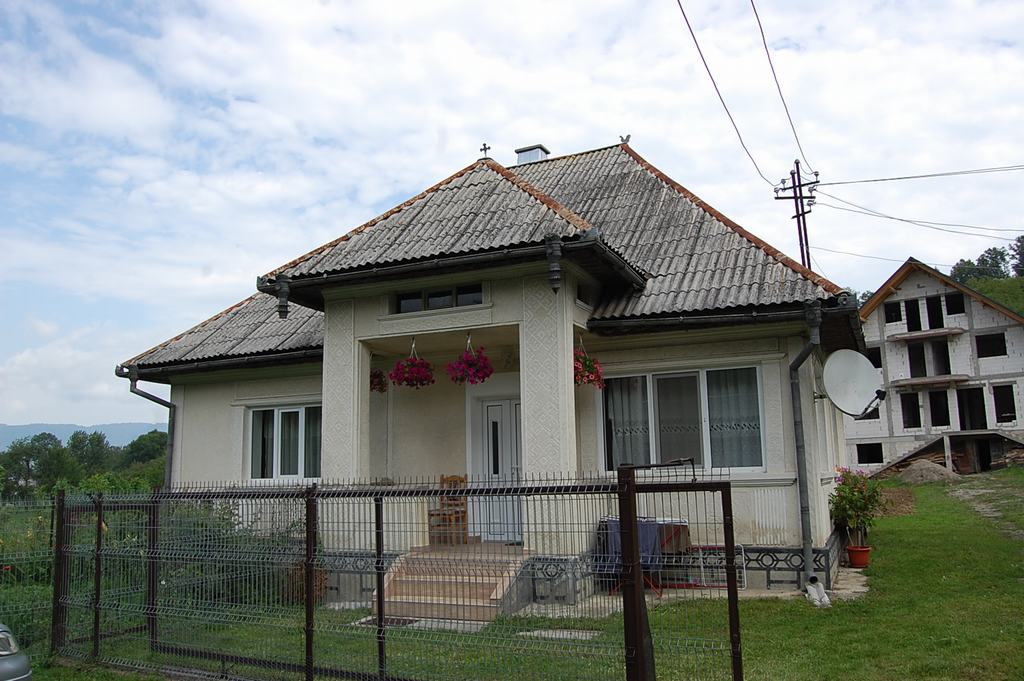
point(378, 381)
point(412, 372)
point(586, 369)
point(473, 367)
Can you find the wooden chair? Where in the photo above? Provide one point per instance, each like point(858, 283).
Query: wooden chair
point(449, 522)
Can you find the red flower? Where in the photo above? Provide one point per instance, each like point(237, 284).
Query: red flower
point(587, 369)
point(412, 372)
point(472, 367)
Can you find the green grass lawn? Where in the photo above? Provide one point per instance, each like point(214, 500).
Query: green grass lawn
point(946, 602)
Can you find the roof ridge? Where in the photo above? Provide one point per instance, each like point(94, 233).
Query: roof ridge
point(370, 223)
point(770, 250)
point(226, 311)
point(564, 156)
point(561, 210)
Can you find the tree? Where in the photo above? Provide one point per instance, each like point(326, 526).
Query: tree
point(1009, 291)
point(963, 271)
point(146, 447)
point(21, 464)
point(994, 263)
point(864, 297)
point(1017, 257)
point(91, 450)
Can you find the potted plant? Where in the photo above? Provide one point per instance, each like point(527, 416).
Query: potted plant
point(473, 367)
point(412, 372)
point(586, 369)
point(378, 381)
point(854, 503)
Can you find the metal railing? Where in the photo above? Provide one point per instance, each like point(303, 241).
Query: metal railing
point(606, 577)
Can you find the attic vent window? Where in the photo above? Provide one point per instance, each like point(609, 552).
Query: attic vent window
point(438, 298)
point(534, 152)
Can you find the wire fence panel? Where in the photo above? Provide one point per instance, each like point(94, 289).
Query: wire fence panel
point(26, 578)
point(598, 578)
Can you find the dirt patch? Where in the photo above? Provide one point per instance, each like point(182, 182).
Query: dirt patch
point(988, 496)
point(921, 472)
point(898, 501)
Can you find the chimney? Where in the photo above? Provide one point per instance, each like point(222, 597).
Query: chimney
point(534, 152)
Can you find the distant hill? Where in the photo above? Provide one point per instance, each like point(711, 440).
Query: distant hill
point(118, 434)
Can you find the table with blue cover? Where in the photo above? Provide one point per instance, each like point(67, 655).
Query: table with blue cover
point(608, 557)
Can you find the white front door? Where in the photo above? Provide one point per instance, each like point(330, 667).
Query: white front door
point(499, 518)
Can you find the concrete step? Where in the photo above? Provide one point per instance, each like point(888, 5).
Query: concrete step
point(442, 608)
point(456, 589)
point(463, 566)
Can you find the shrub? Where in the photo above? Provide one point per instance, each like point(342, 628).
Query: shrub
point(855, 502)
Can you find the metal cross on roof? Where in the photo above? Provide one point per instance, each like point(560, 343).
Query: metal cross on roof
point(485, 149)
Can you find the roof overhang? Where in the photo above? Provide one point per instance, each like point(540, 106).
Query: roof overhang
point(163, 373)
point(589, 252)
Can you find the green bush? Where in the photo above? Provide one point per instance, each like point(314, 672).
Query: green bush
point(855, 502)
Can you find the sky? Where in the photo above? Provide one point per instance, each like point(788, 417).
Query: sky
point(156, 157)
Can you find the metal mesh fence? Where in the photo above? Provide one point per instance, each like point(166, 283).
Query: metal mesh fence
point(454, 578)
point(26, 580)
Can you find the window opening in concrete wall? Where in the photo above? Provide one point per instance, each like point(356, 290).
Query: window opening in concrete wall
point(991, 345)
point(970, 405)
point(869, 452)
point(940, 358)
point(955, 303)
point(911, 405)
point(934, 306)
point(874, 356)
point(893, 313)
point(938, 405)
point(915, 355)
point(913, 315)
point(1006, 408)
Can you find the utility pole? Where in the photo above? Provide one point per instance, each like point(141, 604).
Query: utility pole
point(802, 202)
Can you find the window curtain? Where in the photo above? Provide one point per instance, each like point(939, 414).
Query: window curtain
point(627, 429)
point(289, 443)
point(314, 417)
point(734, 418)
point(263, 443)
point(679, 428)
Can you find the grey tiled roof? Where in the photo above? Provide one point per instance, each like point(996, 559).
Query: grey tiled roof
point(697, 259)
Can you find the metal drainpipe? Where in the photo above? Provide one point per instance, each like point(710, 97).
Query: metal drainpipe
point(813, 316)
point(133, 377)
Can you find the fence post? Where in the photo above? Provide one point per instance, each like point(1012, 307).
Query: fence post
point(636, 627)
point(57, 619)
point(731, 585)
point(152, 568)
point(378, 536)
point(97, 576)
point(310, 576)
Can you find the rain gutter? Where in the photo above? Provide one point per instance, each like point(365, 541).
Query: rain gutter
point(132, 374)
point(812, 313)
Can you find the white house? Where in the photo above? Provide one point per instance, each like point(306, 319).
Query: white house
point(695, 320)
point(952, 361)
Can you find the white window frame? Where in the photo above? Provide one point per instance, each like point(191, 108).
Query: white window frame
point(276, 458)
point(705, 423)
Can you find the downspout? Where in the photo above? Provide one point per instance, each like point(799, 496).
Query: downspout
point(813, 316)
point(132, 374)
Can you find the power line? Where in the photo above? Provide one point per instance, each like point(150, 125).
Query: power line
point(863, 210)
point(975, 171)
point(720, 97)
point(878, 257)
point(778, 87)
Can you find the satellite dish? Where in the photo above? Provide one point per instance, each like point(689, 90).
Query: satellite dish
point(851, 382)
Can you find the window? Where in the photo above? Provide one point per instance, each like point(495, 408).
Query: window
point(1006, 408)
point(938, 405)
point(874, 356)
point(893, 313)
point(991, 345)
point(439, 299)
point(911, 406)
point(955, 303)
point(286, 442)
point(712, 415)
point(933, 304)
point(970, 405)
point(915, 354)
point(869, 452)
point(940, 358)
point(913, 315)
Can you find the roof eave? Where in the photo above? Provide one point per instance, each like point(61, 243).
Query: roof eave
point(164, 372)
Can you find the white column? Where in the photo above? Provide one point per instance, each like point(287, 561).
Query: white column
point(346, 396)
point(546, 379)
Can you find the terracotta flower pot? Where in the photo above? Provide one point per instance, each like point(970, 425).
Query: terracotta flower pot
point(860, 556)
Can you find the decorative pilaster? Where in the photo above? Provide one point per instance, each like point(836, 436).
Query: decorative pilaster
point(346, 400)
point(546, 375)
